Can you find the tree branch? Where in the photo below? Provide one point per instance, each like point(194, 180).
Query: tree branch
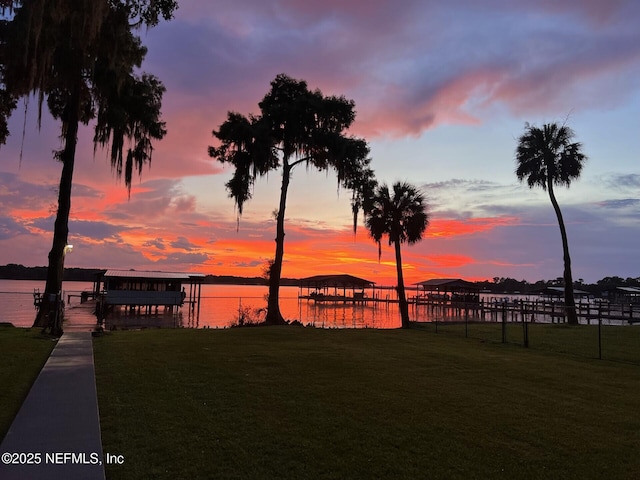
point(299, 161)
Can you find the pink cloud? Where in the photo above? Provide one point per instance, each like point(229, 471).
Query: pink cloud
point(405, 69)
point(410, 66)
point(599, 12)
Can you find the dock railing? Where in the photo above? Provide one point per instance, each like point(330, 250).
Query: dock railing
point(544, 311)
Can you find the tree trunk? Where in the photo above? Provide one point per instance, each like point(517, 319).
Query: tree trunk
point(274, 317)
point(569, 301)
point(402, 298)
point(53, 287)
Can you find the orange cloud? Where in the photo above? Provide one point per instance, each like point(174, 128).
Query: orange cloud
point(453, 227)
point(451, 260)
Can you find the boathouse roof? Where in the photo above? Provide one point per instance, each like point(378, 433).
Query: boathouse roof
point(447, 283)
point(152, 275)
point(629, 289)
point(559, 291)
point(341, 280)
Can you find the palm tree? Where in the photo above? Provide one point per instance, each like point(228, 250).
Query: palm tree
point(80, 57)
point(296, 126)
point(546, 157)
point(401, 216)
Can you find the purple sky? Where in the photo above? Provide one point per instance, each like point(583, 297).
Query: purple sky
point(442, 91)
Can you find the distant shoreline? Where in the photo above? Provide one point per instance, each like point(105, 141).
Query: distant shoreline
point(499, 286)
point(20, 272)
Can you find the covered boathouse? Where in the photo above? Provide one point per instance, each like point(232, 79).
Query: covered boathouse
point(627, 295)
point(557, 293)
point(335, 288)
point(447, 291)
point(148, 289)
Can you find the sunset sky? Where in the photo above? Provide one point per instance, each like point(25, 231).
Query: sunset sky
point(442, 92)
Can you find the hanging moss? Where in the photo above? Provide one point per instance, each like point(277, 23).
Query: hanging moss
point(79, 57)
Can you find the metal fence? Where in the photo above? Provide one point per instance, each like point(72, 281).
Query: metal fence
point(601, 337)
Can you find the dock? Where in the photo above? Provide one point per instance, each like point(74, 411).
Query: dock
point(540, 310)
point(355, 298)
point(474, 307)
point(80, 317)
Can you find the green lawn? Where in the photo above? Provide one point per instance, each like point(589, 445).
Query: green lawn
point(23, 353)
point(618, 343)
point(297, 403)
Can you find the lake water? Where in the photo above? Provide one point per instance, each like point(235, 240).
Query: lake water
point(221, 306)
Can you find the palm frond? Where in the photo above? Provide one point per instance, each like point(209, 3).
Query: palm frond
point(548, 154)
point(400, 215)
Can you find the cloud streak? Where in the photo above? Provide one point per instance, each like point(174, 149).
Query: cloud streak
point(427, 77)
point(428, 63)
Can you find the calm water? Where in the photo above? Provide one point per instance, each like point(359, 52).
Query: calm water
point(221, 306)
point(224, 305)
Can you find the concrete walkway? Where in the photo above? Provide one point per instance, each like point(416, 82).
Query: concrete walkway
point(58, 425)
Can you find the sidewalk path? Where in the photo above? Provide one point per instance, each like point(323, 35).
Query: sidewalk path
point(58, 422)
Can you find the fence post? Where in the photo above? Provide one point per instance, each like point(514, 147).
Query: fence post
point(466, 321)
point(588, 312)
point(525, 332)
point(504, 323)
point(599, 338)
point(534, 307)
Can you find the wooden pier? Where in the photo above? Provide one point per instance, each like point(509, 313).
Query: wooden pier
point(80, 317)
point(357, 298)
point(538, 310)
point(480, 308)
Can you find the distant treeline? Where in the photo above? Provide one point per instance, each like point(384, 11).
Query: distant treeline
point(13, 271)
point(511, 285)
point(499, 285)
point(20, 272)
point(233, 280)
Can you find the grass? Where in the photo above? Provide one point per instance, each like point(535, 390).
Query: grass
point(23, 354)
point(618, 343)
point(293, 403)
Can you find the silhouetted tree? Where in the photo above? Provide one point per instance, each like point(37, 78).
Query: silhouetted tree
point(7, 101)
point(400, 215)
point(79, 56)
point(546, 157)
point(295, 126)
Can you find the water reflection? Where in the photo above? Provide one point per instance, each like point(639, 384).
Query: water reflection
point(237, 311)
point(349, 315)
point(222, 306)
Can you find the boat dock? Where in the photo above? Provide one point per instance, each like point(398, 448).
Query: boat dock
point(80, 316)
point(541, 310)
